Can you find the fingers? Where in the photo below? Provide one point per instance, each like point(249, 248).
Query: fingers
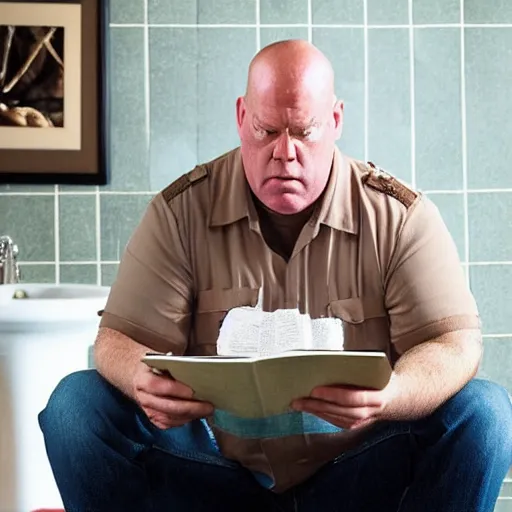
point(344, 422)
point(163, 421)
point(173, 407)
point(163, 386)
point(318, 407)
point(167, 402)
point(344, 417)
point(349, 397)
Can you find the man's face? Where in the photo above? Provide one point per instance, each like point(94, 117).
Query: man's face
point(287, 144)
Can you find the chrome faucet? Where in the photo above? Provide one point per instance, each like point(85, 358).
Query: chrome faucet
point(9, 269)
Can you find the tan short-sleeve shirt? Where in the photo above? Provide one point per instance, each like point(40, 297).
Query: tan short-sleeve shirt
point(375, 254)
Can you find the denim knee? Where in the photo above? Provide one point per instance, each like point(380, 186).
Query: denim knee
point(69, 407)
point(488, 412)
point(85, 409)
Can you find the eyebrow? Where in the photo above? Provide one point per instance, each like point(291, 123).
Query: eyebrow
point(311, 123)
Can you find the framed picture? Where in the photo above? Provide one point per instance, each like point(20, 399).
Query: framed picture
point(54, 92)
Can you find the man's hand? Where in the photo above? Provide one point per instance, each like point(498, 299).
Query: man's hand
point(347, 407)
point(167, 402)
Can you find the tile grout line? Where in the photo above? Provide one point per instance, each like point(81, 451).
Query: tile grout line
point(305, 25)
point(365, 80)
point(147, 85)
point(67, 263)
point(97, 205)
point(412, 95)
point(258, 26)
point(310, 22)
point(56, 227)
point(487, 263)
point(464, 141)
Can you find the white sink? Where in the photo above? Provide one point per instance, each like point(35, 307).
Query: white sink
point(49, 306)
point(43, 338)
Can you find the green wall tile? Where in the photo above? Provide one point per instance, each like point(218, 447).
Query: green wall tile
point(340, 12)
point(78, 274)
point(489, 109)
point(426, 12)
point(497, 362)
point(37, 273)
point(27, 188)
point(205, 12)
point(173, 104)
point(77, 226)
point(226, 11)
point(220, 82)
point(388, 12)
point(172, 11)
point(389, 130)
point(126, 11)
point(348, 67)
point(90, 357)
point(503, 506)
point(69, 189)
point(30, 222)
point(487, 11)
point(272, 34)
point(506, 492)
point(490, 226)
point(108, 274)
point(451, 207)
point(284, 11)
point(491, 285)
point(120, 215)
point(438, 108)
point(129, 152)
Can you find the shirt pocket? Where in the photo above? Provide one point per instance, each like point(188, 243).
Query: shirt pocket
point(211, 308)
point(365, 322)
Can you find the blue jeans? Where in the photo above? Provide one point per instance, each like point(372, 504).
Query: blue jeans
point(107, 456)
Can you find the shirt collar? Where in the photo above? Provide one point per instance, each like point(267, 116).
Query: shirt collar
point(339, 205)
point(229, 191)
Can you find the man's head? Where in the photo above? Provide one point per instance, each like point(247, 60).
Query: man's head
point(288, 122)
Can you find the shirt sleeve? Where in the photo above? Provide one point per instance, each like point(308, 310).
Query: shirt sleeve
point(425, 288)
point(150, 300)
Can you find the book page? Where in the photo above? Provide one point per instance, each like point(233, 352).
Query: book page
point(252, 332)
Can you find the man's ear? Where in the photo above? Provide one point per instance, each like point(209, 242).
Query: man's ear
point(240, 114)
point(338, 118)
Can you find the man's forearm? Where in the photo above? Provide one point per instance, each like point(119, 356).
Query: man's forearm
point(430, 373)
point(117, 357)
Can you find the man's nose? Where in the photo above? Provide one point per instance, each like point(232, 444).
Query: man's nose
point(284, 149)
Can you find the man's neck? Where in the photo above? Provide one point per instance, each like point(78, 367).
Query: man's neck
point(281, 231)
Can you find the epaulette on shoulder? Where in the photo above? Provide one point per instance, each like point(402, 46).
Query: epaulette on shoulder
point(382, 181)
point(183, 182)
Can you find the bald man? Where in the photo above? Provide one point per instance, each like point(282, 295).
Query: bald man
point(286, 217)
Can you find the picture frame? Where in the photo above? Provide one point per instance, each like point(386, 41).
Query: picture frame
point(54, 105)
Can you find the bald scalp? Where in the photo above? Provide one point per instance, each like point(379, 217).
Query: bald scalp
point(287, 70)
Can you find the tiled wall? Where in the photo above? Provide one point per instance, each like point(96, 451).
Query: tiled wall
point(426, 85)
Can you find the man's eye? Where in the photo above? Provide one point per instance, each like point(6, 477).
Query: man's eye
point(303, 134)
point(270, 132)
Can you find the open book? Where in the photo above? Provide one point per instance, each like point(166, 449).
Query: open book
point(258, 387)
